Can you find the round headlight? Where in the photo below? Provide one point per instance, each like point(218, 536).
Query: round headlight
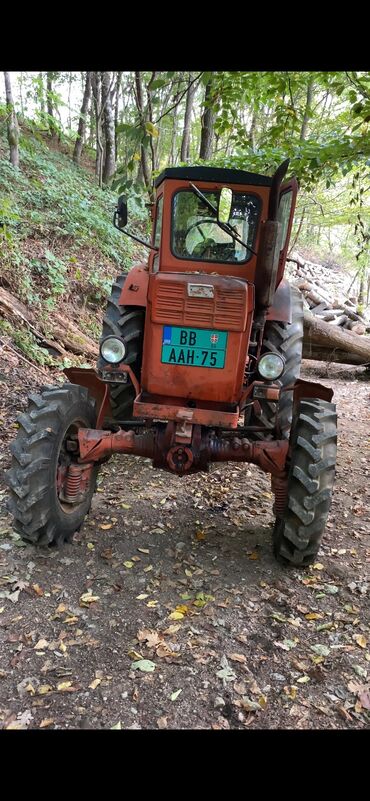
point(271, 366)
point(113, 350)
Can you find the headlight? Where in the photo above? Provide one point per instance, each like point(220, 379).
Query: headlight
point(113, 350)
point(271, 366)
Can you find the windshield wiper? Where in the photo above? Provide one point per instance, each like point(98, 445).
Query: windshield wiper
point(229, 229)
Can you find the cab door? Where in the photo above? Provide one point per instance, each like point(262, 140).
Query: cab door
point(285, 215)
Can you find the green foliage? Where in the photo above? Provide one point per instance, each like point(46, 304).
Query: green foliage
point(27, 343)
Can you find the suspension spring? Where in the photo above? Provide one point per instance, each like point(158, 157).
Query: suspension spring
point(280, 489)
point(73, 482)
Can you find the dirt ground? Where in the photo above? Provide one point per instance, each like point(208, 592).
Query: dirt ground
point(168, 609)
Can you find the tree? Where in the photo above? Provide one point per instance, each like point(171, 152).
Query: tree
point(82, 120)
point(13, 130)
point(96, 91)
point(49, 102)
point(185, 142)
point(140, 107)
point(109, 164)
point(207, 119)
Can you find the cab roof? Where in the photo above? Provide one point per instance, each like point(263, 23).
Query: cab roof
point(213, 174)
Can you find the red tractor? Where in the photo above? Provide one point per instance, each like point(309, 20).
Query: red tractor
point(199, 362)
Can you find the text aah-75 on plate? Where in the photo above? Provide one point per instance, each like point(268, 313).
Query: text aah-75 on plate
point(194, 347)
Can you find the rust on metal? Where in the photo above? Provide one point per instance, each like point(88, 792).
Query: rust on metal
point(95, 445)
point(135, 289)
point(89, 378)
point(165, 410)
point(73, 483)
point(160, 444)
point(123, 368)
point(279, 486)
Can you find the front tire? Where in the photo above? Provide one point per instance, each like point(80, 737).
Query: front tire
point(313, 444)
point(40, 457)
point(286, 339)
point(126, 322)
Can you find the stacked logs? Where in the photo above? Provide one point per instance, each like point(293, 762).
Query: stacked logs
point(333, 328)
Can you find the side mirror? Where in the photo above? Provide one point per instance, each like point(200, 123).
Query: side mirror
point(122, 211)
point(224, 205)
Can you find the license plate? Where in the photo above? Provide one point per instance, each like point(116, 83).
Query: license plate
point(193, 347)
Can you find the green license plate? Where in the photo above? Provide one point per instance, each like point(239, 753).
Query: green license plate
point(193, 347)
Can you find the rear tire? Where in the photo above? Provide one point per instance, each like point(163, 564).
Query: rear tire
point(297, 533)
point(126, 322)
point(286, 339)
point(38, 450)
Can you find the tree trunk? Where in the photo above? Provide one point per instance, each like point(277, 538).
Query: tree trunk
point(82, 121)
point(252, 130)
point(207, 120)
point(96, 90)
point(306, 115)
point(21, 93)
point(185, 143)
point(361, 292)
point(116, 105)
point(13, 130)
point(109, 166)
point(143, 153)
point(49, 102)
point(319, 354)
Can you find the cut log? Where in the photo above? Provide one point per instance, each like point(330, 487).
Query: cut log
point(326, 355)
point(357, 328)
point(341, 320)
point(67, 335)
point(329, 337)
point(72, 338)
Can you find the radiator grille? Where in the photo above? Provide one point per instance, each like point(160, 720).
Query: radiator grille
point(227, 310)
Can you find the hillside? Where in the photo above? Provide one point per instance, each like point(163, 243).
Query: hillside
point(59, 250)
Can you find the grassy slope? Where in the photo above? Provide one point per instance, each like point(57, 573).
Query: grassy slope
point(58, 247)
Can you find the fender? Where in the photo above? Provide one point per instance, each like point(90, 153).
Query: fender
point(135, 289)
point(281, 308)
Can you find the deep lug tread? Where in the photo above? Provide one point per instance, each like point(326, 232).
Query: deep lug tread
point(285, 339)
point(126, 322)
point(298, 532)
point(38, 516)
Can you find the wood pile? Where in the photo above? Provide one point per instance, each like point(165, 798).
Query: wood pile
point(333, 328)
point(67, 336)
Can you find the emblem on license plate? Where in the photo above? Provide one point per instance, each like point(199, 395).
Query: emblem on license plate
point(201, 290)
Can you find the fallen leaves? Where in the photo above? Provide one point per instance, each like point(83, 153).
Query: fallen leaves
point(145, 665)
point(321, 650)
point(88, 598)
point(226, 673)
point(360, 640)
point(238, 658)
point(94, 684)
point(40, 645)
point(175, 695)
point(286, 645)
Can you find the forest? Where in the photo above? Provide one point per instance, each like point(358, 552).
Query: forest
point(169, 604)
point(113, 132)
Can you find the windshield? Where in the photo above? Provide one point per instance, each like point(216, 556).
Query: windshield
point(196, 235)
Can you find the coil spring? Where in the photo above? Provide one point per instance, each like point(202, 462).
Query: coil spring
point(73, 481)
point(280, 488)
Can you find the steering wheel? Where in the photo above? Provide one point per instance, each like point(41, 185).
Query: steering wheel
point(207, 240)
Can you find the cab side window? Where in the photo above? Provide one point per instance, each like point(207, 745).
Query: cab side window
point(158, 223)
point(283, 215)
